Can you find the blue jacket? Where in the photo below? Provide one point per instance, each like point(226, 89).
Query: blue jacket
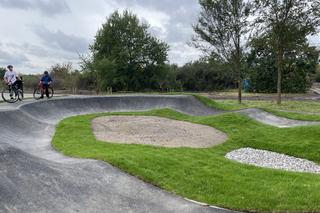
point(46, 79)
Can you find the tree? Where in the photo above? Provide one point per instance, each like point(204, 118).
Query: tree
point(106, 73)
point(298, 72)
point(2, 72)
point(317, 75)
point(222, 30)
point(287, 23)
point(31, 81)
point(88, 79)
point(125, 41)
point(65, 77)
point(162, 78)
point(205, 75)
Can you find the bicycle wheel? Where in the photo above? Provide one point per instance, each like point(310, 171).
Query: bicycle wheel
point(10, 96)
point(50, 92)
point(37, 93)
point(20, 95)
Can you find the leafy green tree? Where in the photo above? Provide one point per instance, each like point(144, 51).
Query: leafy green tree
point(2, 71)
point(287, 23)
point(299, 67)
point(74, 77)
point(125, 42)
point(88, 80)
point(61, 75)
point(31, 81)
point(162, 78)
point(221, 31)
point(317, 76)
point(65, 77)
point(206, 75)
point(106, 73)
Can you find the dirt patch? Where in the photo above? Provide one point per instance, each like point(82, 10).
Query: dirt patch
point(155, 131)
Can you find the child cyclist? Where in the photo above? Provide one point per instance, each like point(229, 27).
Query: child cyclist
point(46, 80)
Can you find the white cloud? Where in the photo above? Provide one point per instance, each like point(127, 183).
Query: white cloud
point(61, 40)
point(182, 52)
point(12, 57)
point(39, 33)
point(46, 7)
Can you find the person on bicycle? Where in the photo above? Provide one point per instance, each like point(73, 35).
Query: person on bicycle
point(46, 80)
point(20, 81)
point(11, 77)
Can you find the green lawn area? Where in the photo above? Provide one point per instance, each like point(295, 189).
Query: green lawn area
point(206, 175)
point(301, 106)
point(294, 115)
point(290, 109)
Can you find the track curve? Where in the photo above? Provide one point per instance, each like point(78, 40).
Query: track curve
point(35, 178)
point(273, 120)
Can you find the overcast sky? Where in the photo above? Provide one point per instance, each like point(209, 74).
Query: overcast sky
point(35, 34)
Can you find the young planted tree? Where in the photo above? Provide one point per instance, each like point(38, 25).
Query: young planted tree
point(287, 23)
point(222, 31)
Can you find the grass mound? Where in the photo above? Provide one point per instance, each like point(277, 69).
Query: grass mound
point(297, 110)
point(205, 174)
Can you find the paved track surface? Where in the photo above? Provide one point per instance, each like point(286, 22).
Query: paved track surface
point(35, 178)
point(273, 120)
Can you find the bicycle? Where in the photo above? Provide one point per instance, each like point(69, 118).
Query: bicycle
point(12, 94)
point(38, 92)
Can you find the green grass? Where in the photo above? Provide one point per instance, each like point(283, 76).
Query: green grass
point(299, 106)
point(219, 104)
point(294, 115)
point(205, 174)
point(297, 110)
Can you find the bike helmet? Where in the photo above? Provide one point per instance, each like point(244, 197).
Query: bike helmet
point(9, 66)
point(46, 72)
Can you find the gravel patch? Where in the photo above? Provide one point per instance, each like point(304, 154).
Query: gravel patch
point(267, 159)
point(156, 131)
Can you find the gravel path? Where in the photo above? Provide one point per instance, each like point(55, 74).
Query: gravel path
point(273, 160)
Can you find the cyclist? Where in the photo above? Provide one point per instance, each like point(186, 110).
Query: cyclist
point(11, 77)
point(46, 80)
point(20, 82)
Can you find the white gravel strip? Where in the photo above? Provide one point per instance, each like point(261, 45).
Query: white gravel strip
point(267, 159)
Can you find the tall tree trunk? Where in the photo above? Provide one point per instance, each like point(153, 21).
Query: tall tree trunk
point(239, 87)
point(240, 92)
point(238, 71)
point(238, 64)
point(279, 80)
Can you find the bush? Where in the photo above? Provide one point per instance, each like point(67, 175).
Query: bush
point(30, 81)
point(205, 76)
